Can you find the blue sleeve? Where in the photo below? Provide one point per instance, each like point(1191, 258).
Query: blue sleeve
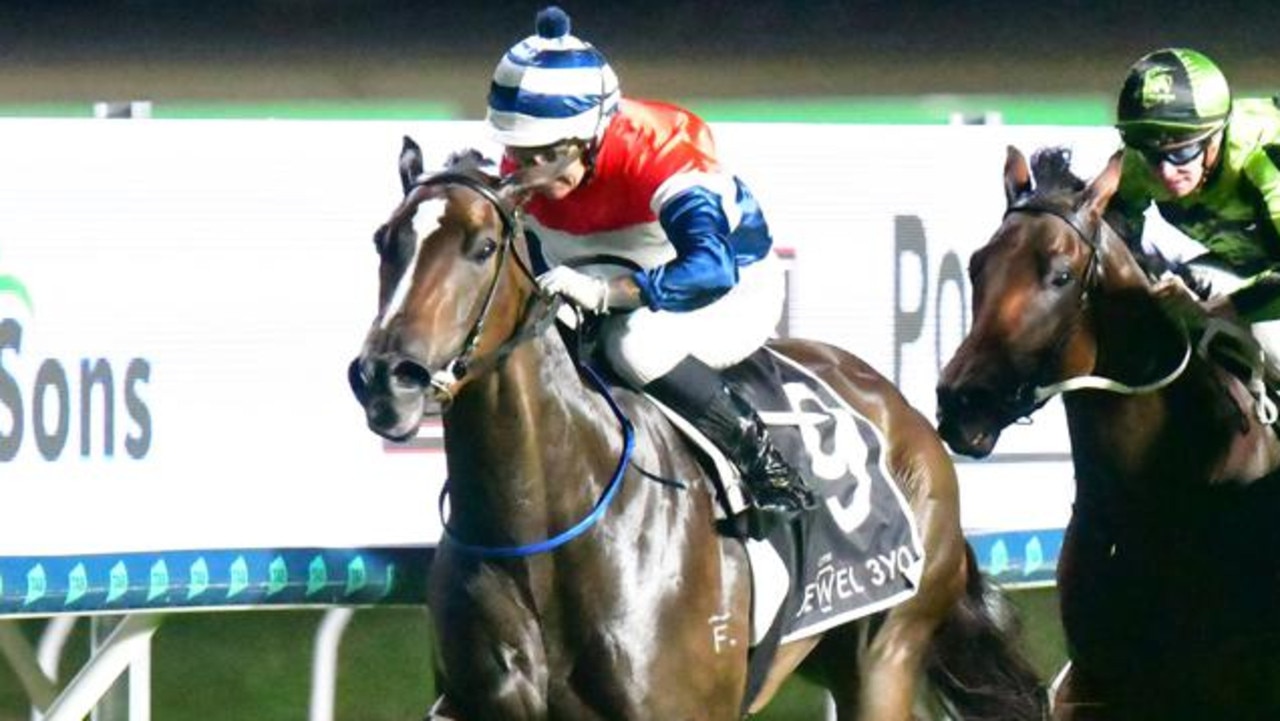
point(704, 268)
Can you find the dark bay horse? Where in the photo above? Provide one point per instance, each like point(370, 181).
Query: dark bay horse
point(1169, 577)
point(632, 608)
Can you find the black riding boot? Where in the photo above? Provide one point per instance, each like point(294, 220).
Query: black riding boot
point(697, 392)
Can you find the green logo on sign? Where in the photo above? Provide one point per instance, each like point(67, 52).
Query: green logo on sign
point(159, 580)
point(77, 584)
point(199, 580)
point(392, 579)
point(10, 285)
point(999, 562)
point(356, 575)
point(277, 576)
point(118, 583)
point(317, 576)
point(37, 584)
point(1035, 556)
point(239, 576)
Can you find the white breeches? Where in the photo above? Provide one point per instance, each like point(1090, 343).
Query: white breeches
point(643, 345)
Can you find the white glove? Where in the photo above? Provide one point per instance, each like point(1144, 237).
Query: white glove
point(585, 291)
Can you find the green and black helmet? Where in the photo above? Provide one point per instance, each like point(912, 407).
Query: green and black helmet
point(1172, 97)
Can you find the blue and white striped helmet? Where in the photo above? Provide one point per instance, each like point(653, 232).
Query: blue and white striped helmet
point(551, 87)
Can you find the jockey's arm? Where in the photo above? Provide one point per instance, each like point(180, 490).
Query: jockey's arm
point(1259, 298)
point(704, 268)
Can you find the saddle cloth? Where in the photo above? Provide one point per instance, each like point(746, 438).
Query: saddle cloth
point(860, 551)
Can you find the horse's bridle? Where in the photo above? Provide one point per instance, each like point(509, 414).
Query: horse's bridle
point(1037, 395)
point(443, 380)
point(1030, 205)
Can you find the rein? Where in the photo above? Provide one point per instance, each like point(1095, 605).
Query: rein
point(1044, 393)
point(1041, 394)
point(582, 526)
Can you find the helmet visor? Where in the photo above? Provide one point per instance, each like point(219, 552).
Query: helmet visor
point(1165, 137)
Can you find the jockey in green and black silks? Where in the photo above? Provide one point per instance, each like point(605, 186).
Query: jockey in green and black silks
point(1210, 166)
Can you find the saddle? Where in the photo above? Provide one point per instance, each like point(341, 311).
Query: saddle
point(858, 553)
point(1236, 351)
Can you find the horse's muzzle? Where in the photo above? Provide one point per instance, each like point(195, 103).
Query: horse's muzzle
point(966, 423)
point(392, 393)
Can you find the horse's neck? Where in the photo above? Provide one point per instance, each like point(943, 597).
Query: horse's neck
point(1136, 342)
point(1178, 434)
point(520, 442)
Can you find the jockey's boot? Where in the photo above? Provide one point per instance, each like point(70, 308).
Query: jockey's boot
point(698, 393)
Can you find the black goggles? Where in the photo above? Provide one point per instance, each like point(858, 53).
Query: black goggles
point(545, 154)
point(1178, 156)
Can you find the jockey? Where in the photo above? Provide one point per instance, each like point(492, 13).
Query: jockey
point(1210, 167)
point(640, 180)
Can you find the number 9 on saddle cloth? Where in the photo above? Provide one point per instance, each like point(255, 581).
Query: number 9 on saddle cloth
point(860, 550)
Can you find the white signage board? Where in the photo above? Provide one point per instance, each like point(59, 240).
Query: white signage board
point(179, 301)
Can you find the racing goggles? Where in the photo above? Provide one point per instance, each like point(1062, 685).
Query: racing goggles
point(556, 153)
point(1178, 156)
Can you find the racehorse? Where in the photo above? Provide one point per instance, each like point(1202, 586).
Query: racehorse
point(1168, 579)
point(570, 584)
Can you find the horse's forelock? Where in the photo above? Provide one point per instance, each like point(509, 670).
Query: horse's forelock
point(1051, 169)
point(468, 160)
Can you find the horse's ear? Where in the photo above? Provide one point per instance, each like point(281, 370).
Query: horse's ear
point(410, 163)
point(1099, 191)
point(1017, 175)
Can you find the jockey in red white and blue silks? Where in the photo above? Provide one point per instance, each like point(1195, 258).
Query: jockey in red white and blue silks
point(640, 180)
point(657, 196)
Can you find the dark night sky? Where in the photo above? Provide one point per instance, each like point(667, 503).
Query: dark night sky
point(907, 47)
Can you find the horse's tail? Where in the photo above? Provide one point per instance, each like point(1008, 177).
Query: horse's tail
point(977, 664)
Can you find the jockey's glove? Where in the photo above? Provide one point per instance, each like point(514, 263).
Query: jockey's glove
point(585, 291)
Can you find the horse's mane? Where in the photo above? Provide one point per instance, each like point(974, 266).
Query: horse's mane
point(1051, 169)
point(468, 160)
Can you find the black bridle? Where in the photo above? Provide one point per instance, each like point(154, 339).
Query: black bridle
point(1027, 397)
point(1031, 205)
point(443, 380)
point(1034, 396)
point(535, 323)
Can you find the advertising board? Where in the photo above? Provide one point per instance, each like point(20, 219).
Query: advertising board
point(179, 300)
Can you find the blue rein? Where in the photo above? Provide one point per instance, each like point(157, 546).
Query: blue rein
point(579, 528)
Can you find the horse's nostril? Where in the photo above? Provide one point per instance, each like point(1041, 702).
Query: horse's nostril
point(408, 373)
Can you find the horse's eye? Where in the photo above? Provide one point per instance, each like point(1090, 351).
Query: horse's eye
point(1061, 278)
point(486, 248)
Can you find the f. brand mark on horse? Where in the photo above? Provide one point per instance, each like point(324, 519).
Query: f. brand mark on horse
point(721, 638)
